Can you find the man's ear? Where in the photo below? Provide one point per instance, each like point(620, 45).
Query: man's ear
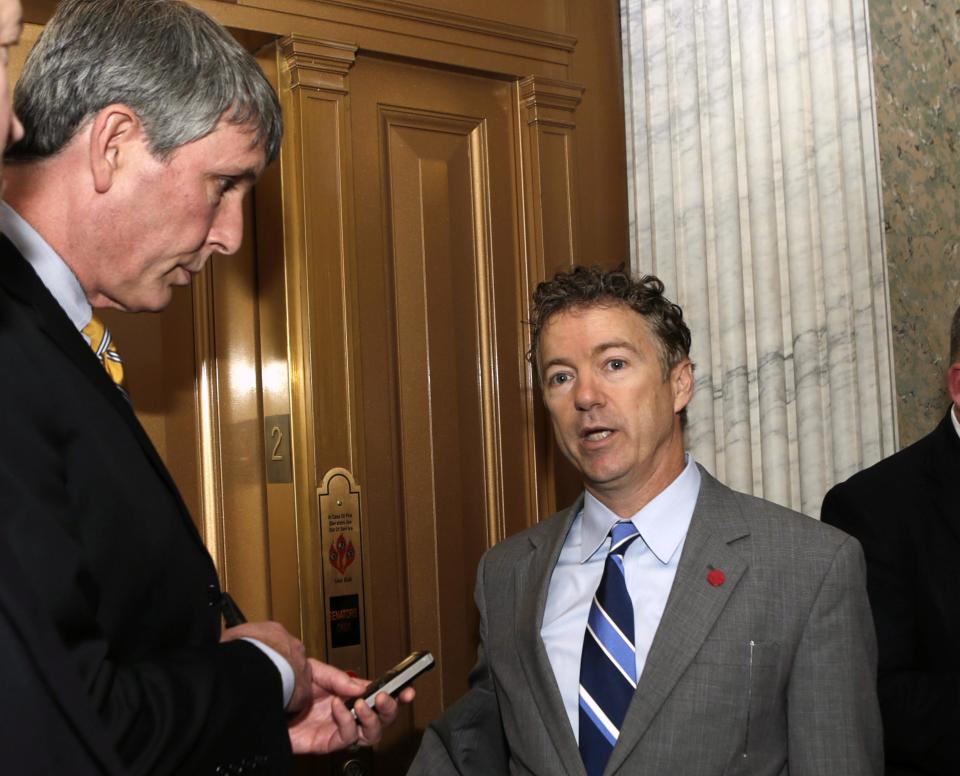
point(112, 131)
point(682, 378)
point(953, 382)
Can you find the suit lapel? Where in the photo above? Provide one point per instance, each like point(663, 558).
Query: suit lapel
point(943, 472)
point(531, 582)
point(19, 279)
point(693, 607)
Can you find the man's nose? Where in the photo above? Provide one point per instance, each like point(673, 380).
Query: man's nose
point(587, 392)
point(226, 231)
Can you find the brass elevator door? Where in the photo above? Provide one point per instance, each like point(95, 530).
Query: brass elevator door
point(439, 272)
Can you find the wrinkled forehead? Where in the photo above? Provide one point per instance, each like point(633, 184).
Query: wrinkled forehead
point(616, 321)
point(621, 312)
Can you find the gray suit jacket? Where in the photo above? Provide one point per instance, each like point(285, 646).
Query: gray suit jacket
point(771, 672)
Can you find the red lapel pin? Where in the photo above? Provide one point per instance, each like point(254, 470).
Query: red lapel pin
point(715, 576)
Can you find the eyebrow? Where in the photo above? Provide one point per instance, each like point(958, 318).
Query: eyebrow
point(246, 175)
point(612, 344)
point(597, 350)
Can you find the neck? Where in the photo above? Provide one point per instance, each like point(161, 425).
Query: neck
point(42, 195)
point(636, 489)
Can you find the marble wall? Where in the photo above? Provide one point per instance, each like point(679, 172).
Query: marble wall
point(754, 194)
point(916, 65)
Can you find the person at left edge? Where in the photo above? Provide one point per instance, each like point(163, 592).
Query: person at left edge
point(145, 124)
point(40, 699)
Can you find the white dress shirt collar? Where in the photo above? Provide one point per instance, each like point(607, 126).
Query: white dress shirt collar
point(662, 523)
point(52, 270)
point(953, 416)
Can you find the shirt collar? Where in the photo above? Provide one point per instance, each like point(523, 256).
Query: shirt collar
point(953, 416)
point(51, 269)
point(662, 523)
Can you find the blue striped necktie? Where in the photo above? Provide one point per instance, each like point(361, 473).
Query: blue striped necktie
point(608, 665)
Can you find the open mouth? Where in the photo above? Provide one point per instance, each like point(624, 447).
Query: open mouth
point(596, 434)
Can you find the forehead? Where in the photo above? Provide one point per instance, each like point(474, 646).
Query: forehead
point(231, 149)
point(593, 326)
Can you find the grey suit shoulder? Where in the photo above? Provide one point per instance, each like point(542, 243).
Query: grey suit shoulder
point(767, 669)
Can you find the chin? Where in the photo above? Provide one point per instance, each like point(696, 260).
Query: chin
point(603, 479)
point(155, 304)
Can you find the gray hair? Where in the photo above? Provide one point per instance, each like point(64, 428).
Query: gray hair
point(177, 68)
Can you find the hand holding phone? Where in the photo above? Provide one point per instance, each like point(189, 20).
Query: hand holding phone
point(398, 677)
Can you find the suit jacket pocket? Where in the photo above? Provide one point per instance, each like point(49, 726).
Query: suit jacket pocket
point(747, 652)
point(746, 672)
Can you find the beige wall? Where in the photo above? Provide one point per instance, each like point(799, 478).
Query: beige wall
point(916, 64)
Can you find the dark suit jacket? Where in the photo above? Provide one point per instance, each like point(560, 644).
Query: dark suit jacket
point(771, 672)
point(107, 543)
point(905, 511)
point(47, 722)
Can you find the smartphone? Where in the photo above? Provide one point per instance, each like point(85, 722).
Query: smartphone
point(398, 677)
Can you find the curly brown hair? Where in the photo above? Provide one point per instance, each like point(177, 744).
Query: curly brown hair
point(594, 286)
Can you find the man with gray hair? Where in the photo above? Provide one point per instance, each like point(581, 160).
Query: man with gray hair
point(145, 124)
point(42, 700)
point(905, 510)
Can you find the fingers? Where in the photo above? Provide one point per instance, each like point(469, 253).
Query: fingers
point(373, 721)
point(334, 681)
point(327, 724)
point(369, 721)
point(347, 726)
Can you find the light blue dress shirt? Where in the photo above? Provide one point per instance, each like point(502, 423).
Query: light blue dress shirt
point(650, 565)
point(51, 269)
point(66, 289)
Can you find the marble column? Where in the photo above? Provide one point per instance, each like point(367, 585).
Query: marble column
point(755, 196)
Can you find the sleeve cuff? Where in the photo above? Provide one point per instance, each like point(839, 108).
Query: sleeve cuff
point(286, 671)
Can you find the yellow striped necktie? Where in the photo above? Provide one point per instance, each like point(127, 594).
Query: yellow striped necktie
point(102, 345)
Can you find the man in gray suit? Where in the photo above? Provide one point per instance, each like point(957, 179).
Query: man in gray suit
point(714, 633)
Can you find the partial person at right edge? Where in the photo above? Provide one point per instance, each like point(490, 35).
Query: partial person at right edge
point(905, 510)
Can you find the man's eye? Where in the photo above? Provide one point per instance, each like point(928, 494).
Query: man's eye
point(559, 378)
point(616, 363)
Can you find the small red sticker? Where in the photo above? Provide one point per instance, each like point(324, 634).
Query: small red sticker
point(716, 577)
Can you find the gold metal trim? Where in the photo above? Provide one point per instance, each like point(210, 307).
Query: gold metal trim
point(489, 387)
point(208, 420)
point(549, 101)
point(546, 109)
point(427, 17)
point(317, 64)
point(313, 86)
point(340, 539)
